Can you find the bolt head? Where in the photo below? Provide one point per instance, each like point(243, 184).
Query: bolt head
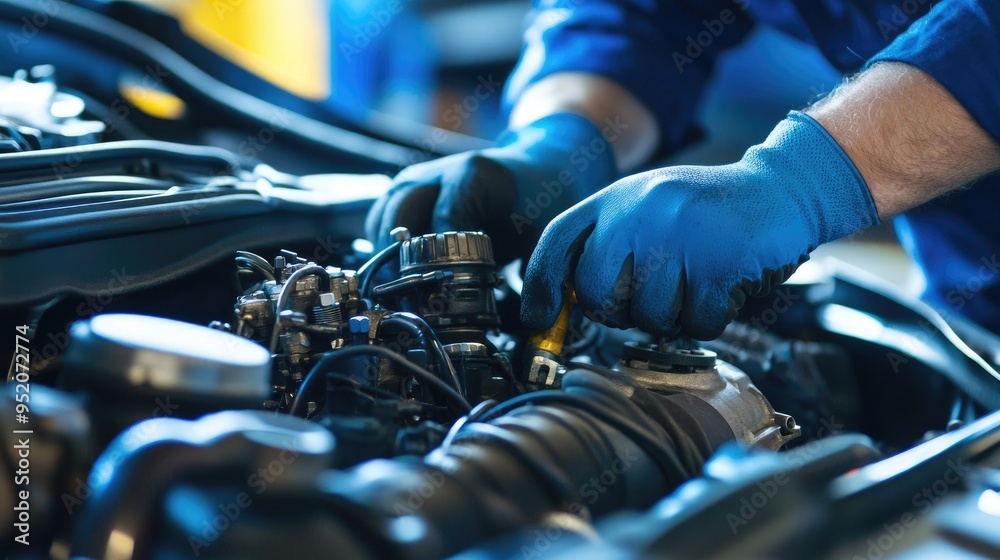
point(359, 324)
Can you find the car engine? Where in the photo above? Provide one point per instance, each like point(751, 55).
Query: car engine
point(204, 359)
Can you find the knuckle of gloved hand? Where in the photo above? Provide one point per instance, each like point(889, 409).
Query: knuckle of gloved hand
point(551, 234)
point(652, 323)
point(611, 309)
point(480, 173)
point(611, 316)
point(476, 164)
point(412, 174)
point(709, 324)
point(701, 330)
point(400, 191)
point(451, 213)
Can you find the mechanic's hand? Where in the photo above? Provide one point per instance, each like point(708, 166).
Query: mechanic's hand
point(677, 250)
point(511, 191)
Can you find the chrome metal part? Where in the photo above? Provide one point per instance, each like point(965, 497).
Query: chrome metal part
point(722, 386)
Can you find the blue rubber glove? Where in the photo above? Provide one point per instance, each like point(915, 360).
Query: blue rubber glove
point(677, 250)
point(511, 191)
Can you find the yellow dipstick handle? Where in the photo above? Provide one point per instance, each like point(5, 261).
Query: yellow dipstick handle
point(553, 338)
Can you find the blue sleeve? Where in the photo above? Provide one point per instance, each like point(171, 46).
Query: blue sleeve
point(660, 51)
point(958, 43)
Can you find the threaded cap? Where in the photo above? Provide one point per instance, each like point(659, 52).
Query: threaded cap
point(445, 249)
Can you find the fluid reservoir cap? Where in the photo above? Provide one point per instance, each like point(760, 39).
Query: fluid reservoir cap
point(670, 359)
point(445, 249)
point(183, 359)
point(467, 349)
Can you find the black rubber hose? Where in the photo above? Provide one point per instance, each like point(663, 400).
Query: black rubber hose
point(257, 259)
point(490, 479)
point(317, 374)
point(428, 341)
point(130, 157)
point(285, 293)
point(368, 270)
point(555, 454)
point(255, 267)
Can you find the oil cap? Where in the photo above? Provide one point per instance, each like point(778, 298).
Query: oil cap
point(436, 250)
point(670, 360)
point(144, 354)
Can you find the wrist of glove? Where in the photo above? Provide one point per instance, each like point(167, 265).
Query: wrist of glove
point(677, 250)
point(510, 191)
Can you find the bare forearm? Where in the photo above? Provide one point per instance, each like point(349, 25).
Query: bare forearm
point(910, 139)
point(629, 126)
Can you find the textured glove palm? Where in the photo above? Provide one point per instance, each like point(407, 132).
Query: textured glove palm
point(678, 249)
point(511, 191)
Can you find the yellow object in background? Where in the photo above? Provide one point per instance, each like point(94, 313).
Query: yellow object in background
point(285, 42)
point(153, 102)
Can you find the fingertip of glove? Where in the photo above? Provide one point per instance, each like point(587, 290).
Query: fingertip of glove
point(539, 307)
point(705, 333)
point(540, 302)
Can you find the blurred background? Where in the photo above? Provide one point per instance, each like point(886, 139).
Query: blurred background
point(442, 62)
point(386, 64)
point(413, 59)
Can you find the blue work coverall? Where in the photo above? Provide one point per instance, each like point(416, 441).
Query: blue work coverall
point(664, 51)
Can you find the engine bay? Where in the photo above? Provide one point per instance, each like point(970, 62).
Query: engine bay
point(208, 361)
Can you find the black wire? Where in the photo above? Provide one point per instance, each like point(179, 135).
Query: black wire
point(257, 259)
point(428, 338)
point(255, 267)
point(370, 268)
point(284, 294)
point(424, 376)
point(355, 384)
point(507, 371)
